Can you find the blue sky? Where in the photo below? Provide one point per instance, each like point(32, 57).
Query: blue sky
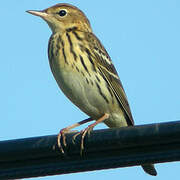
point(143, 40)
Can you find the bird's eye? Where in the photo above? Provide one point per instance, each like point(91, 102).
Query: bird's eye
point(62, 12)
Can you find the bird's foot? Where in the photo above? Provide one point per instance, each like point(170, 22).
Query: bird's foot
point(83, 134)
point(62, 135)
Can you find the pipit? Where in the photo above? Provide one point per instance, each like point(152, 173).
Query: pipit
point(84, 71)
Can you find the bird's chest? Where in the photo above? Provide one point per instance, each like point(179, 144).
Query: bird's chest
point(77, 76)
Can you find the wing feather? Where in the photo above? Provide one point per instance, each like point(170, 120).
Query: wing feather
point(106, 67)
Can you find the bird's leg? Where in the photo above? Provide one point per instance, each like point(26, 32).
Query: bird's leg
point(90, 128)
point(67, 129)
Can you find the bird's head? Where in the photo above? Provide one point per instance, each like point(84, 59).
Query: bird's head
point(64, 16)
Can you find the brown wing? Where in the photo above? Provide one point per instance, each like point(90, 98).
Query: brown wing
point(109, 72)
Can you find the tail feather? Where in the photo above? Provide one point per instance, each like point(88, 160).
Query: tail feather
point(150, 169)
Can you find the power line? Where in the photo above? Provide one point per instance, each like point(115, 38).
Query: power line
point(104, 149)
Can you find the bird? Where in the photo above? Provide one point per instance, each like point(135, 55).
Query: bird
point(85, 72)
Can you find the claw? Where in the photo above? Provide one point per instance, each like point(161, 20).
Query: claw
point(74, 137)
point(83, 132)
point(61, 135)
point(89, 129)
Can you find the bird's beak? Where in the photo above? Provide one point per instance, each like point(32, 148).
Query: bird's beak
point(38, 13)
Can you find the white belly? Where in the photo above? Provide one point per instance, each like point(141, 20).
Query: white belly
point(87, 98)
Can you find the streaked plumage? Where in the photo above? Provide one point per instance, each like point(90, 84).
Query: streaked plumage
point(83, 69)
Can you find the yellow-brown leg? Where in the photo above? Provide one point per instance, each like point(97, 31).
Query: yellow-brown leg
point(67, 129)
point(90, 128)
